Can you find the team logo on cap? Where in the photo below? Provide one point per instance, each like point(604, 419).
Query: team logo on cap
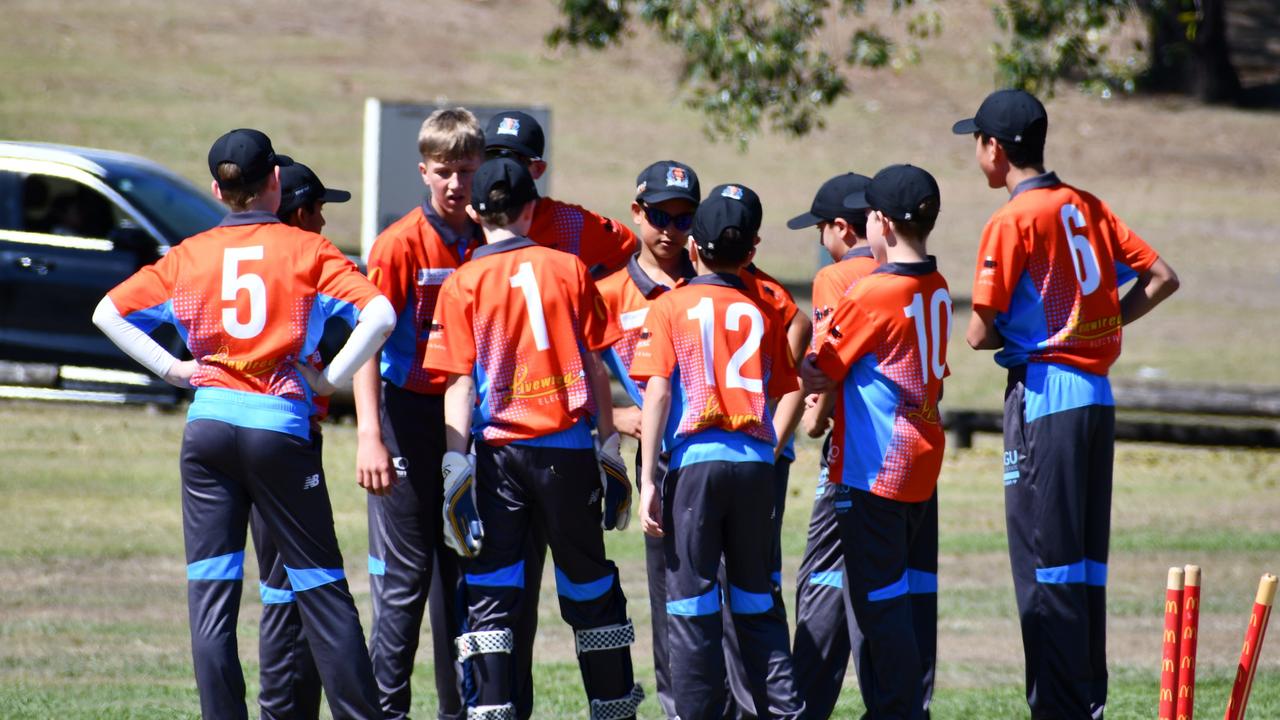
point(677, 177)
point(509, 126)
point(732, 192)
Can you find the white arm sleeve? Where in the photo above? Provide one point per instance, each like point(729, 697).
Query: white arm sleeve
point(373, 326)
point(135, 343)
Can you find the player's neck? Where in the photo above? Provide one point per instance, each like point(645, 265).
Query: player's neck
point(666, 272)
point(457, 222)
point(1017, 175)
point(905, 251)
point(495, 235)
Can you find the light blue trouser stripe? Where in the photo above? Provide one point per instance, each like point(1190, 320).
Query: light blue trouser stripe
point(707, 603)
point(920, 582)
point(581, 592)
point(897, 589)
point(829, 578)
point(742, 602)
point(1095, 573)
point(376, 566)
point(274, 596)
point(509, 576)
point(308, 578)
point(222, 567)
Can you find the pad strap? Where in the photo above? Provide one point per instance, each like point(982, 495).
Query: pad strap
point(483, 642)
point(492, 712)
point(618, 708)
point(609, 637)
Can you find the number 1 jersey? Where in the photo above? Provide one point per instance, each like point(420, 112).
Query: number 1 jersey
point(887, 344)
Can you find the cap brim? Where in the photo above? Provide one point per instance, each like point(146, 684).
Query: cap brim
point(283, 160)
point(804, 220)
point(856, 201)
point(965, 127)
point(335, 196)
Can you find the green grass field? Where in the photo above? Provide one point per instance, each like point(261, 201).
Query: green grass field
point(92, 600)
point(92, 579)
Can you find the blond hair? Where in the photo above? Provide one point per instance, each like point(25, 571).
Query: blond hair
point(450, 135)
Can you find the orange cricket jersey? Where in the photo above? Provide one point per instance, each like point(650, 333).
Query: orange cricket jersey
point(250, 298)
point(771, 292)
point(1048, 264)
point(601, 243)
point(518, 316)
point(832, 283)
point(627, 294)
point(887, 345)
point(725, 354)
point(409, 262)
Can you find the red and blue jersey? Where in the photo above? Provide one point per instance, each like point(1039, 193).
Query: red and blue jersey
point(1050, 264)
point(832, 283)
point(409, 262)
point(628, 293)
point(726, 356)
point(249, 298)
point(518, 317)
point(886, 345)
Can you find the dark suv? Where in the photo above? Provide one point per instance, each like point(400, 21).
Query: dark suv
point(75, 222)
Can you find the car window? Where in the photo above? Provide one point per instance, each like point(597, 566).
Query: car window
point(56, 205)
point(176, 208)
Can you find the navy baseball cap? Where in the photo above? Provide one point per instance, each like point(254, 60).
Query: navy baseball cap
point(718, 213)
point(299, 187)
point(828, 203)
point(1012, 116)
point(668, 180)
point(748, 198)
point(506, 172)
point(248, 149)
point(515, 131)
point(899, 191)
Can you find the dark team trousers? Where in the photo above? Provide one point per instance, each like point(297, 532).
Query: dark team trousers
point(557, 490)
point(712, 510)
point(655, 561)
point(741, 701)
point(1058, 513)
point(226, 470)
point(290, 684)
point(410, 567)
point(883, 540)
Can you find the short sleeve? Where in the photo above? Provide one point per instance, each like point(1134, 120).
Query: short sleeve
point(1001, 259)
point(389, 269)
point(339, 278)
point(451, 347)
point(1130, 249)
point(606, 243)
point(599, 327)
point(782, 375)
point(655, 352)
point(143, 299)
point(851, 335)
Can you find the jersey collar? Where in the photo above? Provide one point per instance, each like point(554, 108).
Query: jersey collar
point(732, 280)
point(514, 243)
point(914, 269)
point(858, 252)
point(451, 237)
point(647, 285)
point(1037, 182)
point(249, 217)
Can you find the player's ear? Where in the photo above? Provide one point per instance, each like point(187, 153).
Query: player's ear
point(842, 226)
point(637, 212)
point(537, 168)
point(471, 213)
point(273, 180)
point(751, 254)
point(422, 170)
point(217, 191)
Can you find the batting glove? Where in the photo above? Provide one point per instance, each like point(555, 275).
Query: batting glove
point(463, 531)
point(614, 482)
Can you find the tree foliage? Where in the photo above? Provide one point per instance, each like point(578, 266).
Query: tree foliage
point(748, 64)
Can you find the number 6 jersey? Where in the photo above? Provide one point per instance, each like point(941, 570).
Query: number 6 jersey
point(249, 298)
point(887, 342)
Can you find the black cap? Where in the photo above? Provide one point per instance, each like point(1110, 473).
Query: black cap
point(502, 172)
point(716, 214)
point(668, 180)
point(828, 203)
point(299, 186)
point(747, 197)
point(250, 150)
point(1012, 116)
point(515, 131)
point(897, 191)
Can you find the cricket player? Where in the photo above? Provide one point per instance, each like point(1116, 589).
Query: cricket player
point(250, 297)
point(1046, 296)
point(517, 331)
